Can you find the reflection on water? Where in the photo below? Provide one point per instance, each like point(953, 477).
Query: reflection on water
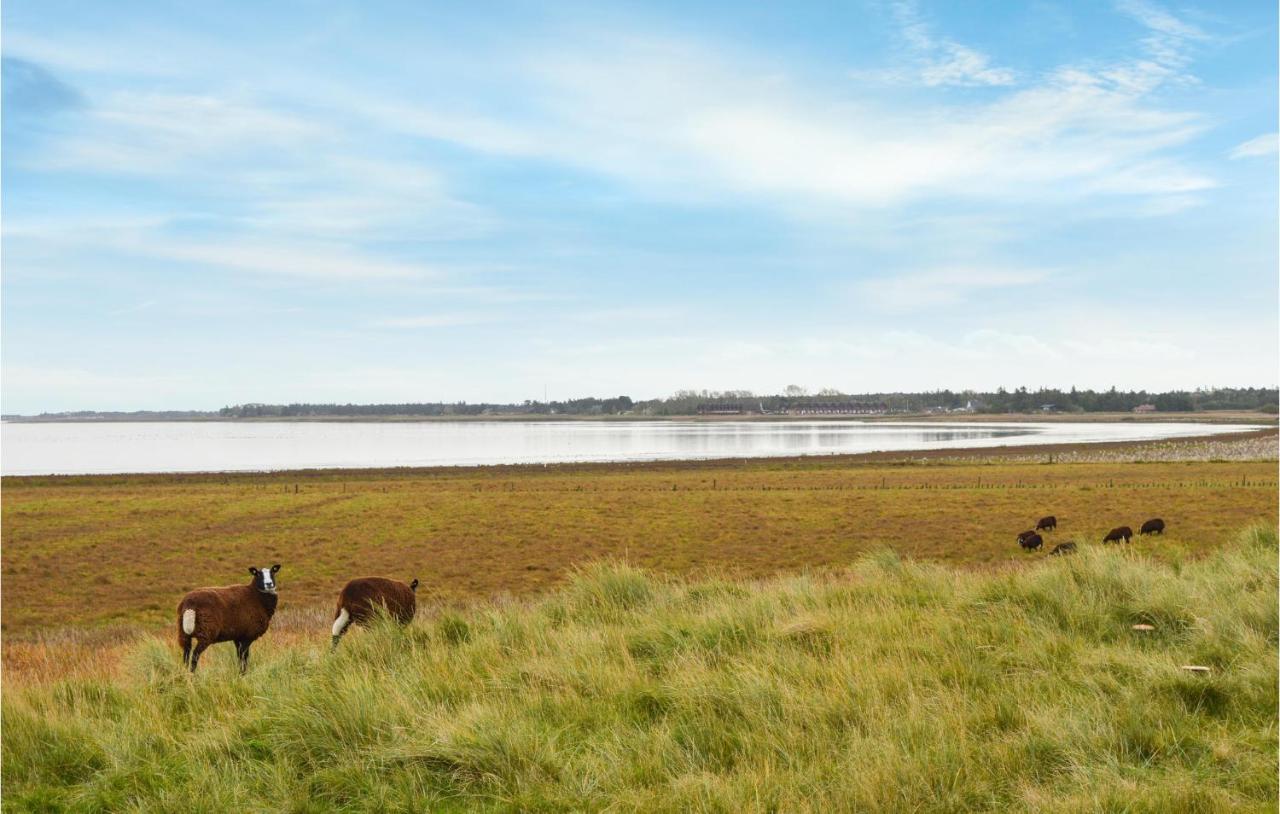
point(211, 446)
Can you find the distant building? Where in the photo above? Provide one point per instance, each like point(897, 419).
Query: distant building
point(720, 408)
point(1145, 408)
point(839, 408)
point(1048, 408)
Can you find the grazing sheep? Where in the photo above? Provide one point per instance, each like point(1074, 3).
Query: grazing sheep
point(1031, 543)
point(1068, 547)
point(1117, 534)
point(360, 598)
point(1022, 535)
point(1049, 523)
point(236, 613)
point(1153, 526)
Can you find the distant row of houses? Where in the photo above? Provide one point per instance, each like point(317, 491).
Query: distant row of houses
point(1141, 408)
point(807, 408)
point(853, 408)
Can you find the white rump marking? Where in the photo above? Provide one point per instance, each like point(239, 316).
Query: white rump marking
point(340, 624)
point(189, 621)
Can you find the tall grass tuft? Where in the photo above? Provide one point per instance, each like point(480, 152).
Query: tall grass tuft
point(886, 686)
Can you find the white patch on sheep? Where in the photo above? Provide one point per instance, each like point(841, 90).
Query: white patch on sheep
point(340, 624)
point(189, 621)
point(268, 583)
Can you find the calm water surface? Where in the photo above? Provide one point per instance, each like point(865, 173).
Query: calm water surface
point(74, 448)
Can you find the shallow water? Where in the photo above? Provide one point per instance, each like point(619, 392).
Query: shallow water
point(84, 448)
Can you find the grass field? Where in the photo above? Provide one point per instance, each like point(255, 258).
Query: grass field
point(883, 686)
point(95, 551)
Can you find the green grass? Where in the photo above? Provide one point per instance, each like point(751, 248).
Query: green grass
point(887, 686)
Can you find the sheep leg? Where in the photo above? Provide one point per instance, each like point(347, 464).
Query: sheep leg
point(185, 641)
point(200, 647)
point(242, 651)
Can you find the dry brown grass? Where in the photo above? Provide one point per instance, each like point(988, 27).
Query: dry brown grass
point(121, 550)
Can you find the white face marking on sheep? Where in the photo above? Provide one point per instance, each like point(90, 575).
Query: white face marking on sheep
point(268, 581)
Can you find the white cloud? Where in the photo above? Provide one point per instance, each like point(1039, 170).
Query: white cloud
point(921, 290)
point(961, 65)
point(945, 62)
point(1160, 21)
point(689, 120)
point(683, 120)
point(270, 169)
point(316, 261)
point(172, 133)
point(1265, 144)
point(437, 320)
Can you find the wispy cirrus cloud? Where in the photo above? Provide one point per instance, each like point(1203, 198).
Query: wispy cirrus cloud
point(686, 119)
point(1265, 144)
point(258, 256)
point(683, 119)
point(442, 320)
point(931, 288)
point(942, 61)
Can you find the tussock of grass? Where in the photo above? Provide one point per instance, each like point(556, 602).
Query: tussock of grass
point(891, 685)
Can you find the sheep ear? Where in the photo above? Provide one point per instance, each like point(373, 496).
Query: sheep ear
point(275, 568)
point(253, 570)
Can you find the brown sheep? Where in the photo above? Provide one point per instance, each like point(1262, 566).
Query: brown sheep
point(361, 597)
point(1068, 547)
point(236, 613)
point(1031, 543)
point(1049, 523)
point(1153, 526)
point(1117, 534)
point(1023, 535)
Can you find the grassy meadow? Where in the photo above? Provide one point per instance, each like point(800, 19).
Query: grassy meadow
point(109, 552)
point(886, 685)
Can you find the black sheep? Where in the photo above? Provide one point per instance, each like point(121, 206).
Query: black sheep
point(1117, 534)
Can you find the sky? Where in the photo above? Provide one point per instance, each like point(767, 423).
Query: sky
point(211, 204)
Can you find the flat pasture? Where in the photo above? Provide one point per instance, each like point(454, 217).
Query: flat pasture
point(102, 551)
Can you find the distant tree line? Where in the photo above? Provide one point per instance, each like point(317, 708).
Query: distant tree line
point(687, 402)
point(134, 415)
point(583, 406)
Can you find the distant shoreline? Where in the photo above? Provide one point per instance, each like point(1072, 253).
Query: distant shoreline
point(1204, 417)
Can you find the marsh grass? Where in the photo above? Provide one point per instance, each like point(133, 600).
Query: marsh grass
point(887, 686)
point(119, 551)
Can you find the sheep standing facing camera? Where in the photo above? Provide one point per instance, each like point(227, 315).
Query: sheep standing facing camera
point(236, 613)
point(360, 598)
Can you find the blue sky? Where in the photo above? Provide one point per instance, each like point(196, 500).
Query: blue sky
point(208, 204)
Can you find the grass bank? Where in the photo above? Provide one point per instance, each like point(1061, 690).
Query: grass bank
point(889, 685)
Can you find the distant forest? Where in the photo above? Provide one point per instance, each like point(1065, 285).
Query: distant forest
point(689, 402)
